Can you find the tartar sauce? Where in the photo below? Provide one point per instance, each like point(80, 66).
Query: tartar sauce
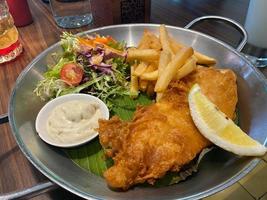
point(73, 121)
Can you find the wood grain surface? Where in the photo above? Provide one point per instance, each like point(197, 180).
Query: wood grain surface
point(15, 171)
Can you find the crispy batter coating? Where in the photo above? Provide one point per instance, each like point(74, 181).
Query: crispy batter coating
point(162, 137)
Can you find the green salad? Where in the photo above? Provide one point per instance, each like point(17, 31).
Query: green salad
point(94, 65)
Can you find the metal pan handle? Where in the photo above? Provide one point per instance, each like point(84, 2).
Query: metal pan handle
point(226, 20)
point(3, 118)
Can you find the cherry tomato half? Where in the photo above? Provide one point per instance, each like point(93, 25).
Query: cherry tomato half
point(72, 74)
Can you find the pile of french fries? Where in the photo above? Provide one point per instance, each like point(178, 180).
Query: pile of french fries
point(159, 60)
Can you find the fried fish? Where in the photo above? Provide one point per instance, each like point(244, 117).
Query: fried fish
point(162, 137)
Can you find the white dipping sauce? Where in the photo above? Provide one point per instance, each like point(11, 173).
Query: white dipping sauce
point(73, 121)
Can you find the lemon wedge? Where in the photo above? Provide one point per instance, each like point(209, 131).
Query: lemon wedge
point(218, 128)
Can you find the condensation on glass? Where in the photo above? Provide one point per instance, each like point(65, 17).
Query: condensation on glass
point(10, 46)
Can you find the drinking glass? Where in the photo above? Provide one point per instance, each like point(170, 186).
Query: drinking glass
point(10, 46)
point(71, 13)
point(255, 23)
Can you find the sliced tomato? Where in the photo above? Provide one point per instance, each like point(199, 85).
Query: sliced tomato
point(72, 74)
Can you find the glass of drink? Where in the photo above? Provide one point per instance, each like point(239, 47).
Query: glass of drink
point(255, 23)
point(10, 46)
point(71, 13)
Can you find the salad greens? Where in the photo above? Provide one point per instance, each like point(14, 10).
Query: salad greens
point(105, 70)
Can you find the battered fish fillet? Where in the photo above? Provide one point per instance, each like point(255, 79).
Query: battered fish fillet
point(162, 137)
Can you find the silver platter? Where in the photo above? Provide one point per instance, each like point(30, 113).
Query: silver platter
point(218, 170)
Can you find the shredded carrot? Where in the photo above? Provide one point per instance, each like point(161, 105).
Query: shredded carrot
point(86, 42)
point(103, 40)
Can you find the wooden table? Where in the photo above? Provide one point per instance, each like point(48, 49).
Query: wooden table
point(15, 170)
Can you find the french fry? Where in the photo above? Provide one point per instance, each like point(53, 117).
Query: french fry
point(155, 42)
point(171, 69)
point(201, 58)
point(187, 68)
point(149, 41)
point(150, 73)
point(142, 54)
point(164, 59)
point(150, 76)
point(144, 83)
point(133, 84)
point(144, 42)
point(155, 63)
point(159, 96)
point(204, 59)
point(140, 69)
point(152, 67)
point(164, 39)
